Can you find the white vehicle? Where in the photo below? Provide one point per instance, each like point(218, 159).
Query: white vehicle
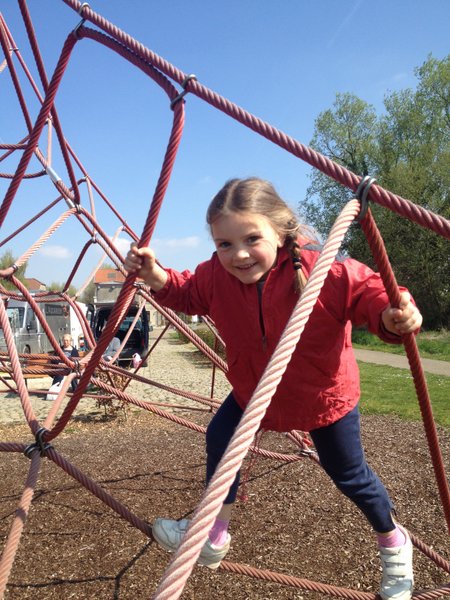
point(29, 336)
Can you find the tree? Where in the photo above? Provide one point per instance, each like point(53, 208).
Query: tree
point(408, 150)
point(89, 293)
point(56, 286)
point(7, 260)
point(346, 134)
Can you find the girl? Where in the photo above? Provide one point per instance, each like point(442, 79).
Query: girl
point(249, 287)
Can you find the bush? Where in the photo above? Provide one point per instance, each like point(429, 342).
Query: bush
point(206, 335)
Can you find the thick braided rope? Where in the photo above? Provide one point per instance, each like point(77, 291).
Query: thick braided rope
point(379, 252)
point(39, 125)
point(72, 194)
point(18, 376)
point(18, 524)
point(127, 292)
point(383, 197)
point(30, 221)
point(315, 586)
point(176, 575)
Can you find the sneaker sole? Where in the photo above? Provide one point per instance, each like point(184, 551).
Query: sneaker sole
point(200, 559)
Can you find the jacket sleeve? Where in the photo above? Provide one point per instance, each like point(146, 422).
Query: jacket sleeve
point(364, 298)
point(188, 292)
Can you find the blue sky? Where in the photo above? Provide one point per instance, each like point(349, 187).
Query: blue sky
point(283, 61)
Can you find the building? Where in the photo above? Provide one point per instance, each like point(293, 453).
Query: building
point(34, 285)
point(109, 282)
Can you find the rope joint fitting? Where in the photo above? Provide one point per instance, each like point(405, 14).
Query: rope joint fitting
point(362, 194)
point(39, 444)
point(184, 92)
point(80, 12)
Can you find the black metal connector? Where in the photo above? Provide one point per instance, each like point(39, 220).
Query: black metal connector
point(184, 92)
point(362, 195)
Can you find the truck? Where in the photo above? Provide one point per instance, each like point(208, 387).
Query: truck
point(30, 337)
point(137, 343)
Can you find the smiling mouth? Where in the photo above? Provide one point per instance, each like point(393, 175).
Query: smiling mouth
point(245, 267)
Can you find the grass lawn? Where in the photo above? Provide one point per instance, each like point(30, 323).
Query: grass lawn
point(386, 390)
point(431, 344)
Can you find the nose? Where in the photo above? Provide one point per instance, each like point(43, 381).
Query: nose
point(241, 253)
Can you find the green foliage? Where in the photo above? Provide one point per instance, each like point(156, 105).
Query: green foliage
point(7, 260)
point(89, 293)
point(206, 335)
point(408, 150)
point(56, 286)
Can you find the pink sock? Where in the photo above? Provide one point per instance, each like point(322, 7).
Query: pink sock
point(395, 539)
point(218, 533)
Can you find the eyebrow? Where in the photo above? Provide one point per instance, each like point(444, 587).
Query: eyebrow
point(250, 234)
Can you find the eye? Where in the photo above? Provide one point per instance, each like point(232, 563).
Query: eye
point(222, 245)
point(253, 239)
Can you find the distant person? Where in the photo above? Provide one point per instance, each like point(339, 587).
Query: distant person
point(249, 287)
point(71, 352)
point(112, 347)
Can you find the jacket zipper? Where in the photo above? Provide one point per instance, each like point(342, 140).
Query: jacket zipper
point(259, 292)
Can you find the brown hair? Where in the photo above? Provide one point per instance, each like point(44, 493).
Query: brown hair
point(260, 197)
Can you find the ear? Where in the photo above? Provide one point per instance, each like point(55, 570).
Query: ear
point(280, 241)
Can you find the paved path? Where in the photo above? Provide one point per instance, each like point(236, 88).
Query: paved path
point(437, 367)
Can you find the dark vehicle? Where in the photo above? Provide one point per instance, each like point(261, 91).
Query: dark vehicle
point(138, 341)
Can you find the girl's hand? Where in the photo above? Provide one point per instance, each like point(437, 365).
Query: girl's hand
point(405, 319)
point(142, 262)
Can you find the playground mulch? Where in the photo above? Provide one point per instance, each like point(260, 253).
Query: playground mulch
point(294, 521)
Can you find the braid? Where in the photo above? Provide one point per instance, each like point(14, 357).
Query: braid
point(296, 257)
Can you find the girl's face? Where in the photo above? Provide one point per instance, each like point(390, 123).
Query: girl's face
point(246, 245)
point(67, 341)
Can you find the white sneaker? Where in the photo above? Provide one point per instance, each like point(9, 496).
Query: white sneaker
point(398, 580)
point(169, 533)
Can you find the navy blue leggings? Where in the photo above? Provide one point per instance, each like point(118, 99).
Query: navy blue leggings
point(340, 452)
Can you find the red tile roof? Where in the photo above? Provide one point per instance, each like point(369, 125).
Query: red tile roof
point(34, 284)
point(108, 276)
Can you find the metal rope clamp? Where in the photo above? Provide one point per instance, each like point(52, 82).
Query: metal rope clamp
point(39, 444)
point(80, 12)
point(362, 195)
point(184, 92)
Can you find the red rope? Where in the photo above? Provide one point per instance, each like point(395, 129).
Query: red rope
point(379, 252)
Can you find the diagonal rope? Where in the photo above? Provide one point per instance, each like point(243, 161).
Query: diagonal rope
point(178, 571)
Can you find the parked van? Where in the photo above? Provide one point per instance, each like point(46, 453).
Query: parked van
point(138, 341)
point(29, 336)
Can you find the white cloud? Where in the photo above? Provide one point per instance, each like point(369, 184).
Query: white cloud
point(123, 245)
point(58, 252)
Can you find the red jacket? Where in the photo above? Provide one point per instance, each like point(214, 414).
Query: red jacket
point(321, 382)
